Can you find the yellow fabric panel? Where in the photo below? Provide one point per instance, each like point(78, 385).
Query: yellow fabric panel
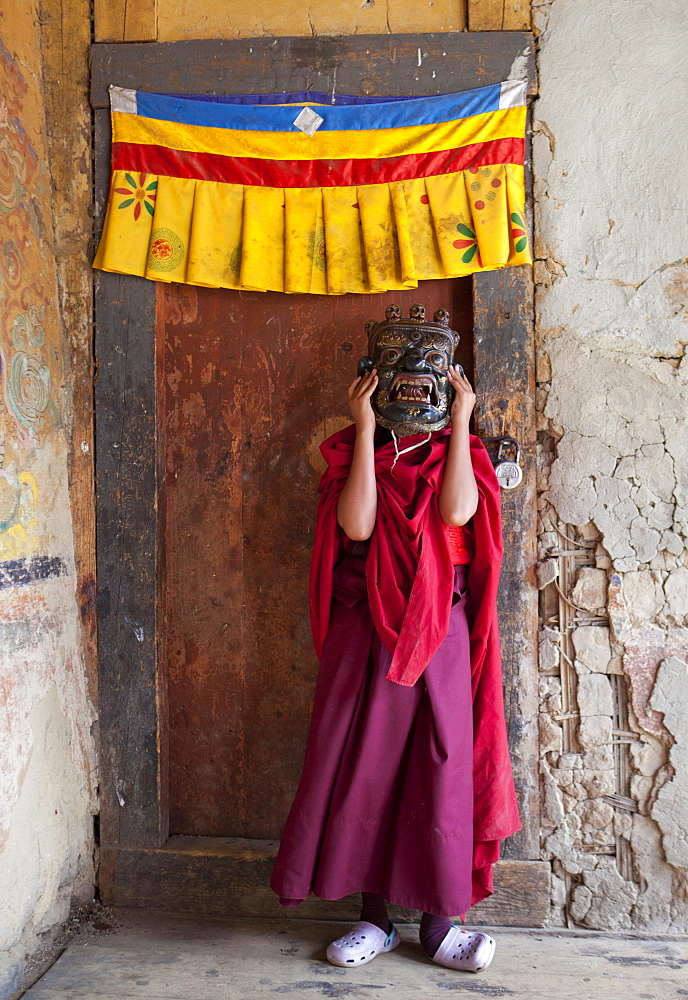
point(515, 196)
point(345, 145)
point(488, 210)
point(346, 270)
point(463, 200)
point(169, 239)
point(124, 243)
point(450, 207)
point(421, 229)
point(372, 238)
point(215, 249)
point(407, 267)
point(304, 241)
point(262, 244)
point(379, 237)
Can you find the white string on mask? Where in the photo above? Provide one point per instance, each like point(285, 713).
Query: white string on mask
point(404, 451)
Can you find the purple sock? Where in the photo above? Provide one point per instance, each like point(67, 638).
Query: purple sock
point(433, 931)
point(374, 910)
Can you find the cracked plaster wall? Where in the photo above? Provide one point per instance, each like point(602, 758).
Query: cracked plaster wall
point(612, 372)
point(47, 766)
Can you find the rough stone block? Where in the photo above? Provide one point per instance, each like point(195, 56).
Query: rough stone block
point(547, 571)
point(548, 654)
point(550, 695)
point(611, 897)
point(558, 891)
point(594, 695)
point(550, 735)
point(595, 731)
point(590, 591)
point(600, 758)
point(596, 815)
point(581, 900)
point(598, 783)
point(552, 804)
point(593, 649)
point(569, 761)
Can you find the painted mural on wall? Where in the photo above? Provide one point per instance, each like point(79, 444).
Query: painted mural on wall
point(48, 777)
point(27, 361)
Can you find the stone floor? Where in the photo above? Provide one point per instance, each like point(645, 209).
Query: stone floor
point(147, 957)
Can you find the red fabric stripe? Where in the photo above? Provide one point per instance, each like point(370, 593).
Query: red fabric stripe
point(311, 173)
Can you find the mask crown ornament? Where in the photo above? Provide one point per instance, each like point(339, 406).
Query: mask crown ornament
point(413, 395)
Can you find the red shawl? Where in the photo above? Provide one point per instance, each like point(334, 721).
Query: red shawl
point(410, 581)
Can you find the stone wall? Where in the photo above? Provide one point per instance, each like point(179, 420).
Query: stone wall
point(47, 777)
point(612, 325)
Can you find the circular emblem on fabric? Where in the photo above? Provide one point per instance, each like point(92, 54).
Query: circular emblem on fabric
point(316, 248)
point(166, 251)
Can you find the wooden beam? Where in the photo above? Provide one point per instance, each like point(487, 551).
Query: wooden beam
point(133, 786)
point(505, 384)
point(65, 32)
point(260, 18)
point(125, 20)
point(354, 64)
point(498, 15)
point(228, 877)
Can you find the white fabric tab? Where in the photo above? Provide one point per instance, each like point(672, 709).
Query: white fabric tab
point(308, 121)
point(513, 93)
point(123, 100)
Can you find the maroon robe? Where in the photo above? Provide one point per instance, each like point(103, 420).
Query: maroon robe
point(409, 584)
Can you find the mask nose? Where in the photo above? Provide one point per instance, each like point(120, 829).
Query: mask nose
point(415, 362)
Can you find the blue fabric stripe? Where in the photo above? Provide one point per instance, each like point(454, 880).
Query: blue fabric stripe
point(267, 118)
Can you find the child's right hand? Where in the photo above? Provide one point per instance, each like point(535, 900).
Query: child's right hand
point(359, 393)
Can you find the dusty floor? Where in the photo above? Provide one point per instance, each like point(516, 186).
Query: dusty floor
point(164, 958)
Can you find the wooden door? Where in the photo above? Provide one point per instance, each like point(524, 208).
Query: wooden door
point(206, 502)
point(249, 384)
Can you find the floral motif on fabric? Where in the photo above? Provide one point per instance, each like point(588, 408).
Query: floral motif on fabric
point(469, 244)
point(138, 195)
point(519, 232)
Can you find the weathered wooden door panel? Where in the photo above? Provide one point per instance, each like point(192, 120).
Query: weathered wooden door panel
point(249, 384)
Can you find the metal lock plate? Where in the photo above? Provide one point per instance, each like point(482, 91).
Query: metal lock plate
point(508, 471)
point(509, 475)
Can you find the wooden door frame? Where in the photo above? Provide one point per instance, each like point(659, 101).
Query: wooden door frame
point(140, 866)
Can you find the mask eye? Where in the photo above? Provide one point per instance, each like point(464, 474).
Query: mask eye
point(390, 356)
point(438, 359)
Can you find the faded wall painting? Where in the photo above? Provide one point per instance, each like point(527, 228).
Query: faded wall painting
point(29, 365)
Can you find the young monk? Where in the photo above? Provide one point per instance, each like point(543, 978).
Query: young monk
point(406, 788)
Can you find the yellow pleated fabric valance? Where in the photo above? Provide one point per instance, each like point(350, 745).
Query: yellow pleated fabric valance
point(303, 196)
